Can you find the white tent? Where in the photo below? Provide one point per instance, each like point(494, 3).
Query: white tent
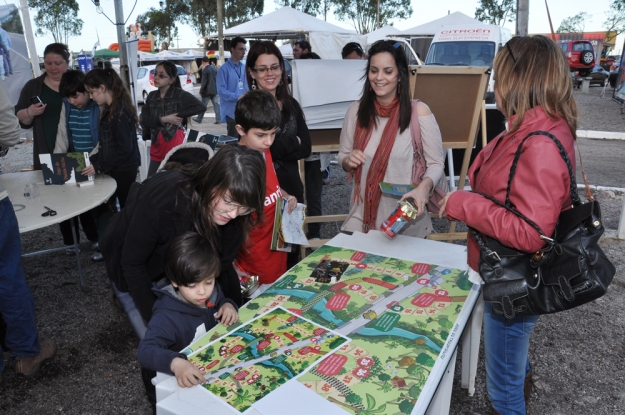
point(325, 38)
point(381, 33)
point(430, 28)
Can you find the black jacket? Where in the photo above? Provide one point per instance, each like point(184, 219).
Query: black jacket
point(136, 239)
point(33, 88)
point(286, 150)
point(173, 327)
point(119, 150)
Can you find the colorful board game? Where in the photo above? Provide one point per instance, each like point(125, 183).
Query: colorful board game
point(398, 315)
point(254, 359)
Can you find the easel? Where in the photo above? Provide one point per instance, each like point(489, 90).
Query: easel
point(455, 95)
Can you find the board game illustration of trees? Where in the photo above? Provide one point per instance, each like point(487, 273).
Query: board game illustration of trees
point(398, 314)
point(256, 358)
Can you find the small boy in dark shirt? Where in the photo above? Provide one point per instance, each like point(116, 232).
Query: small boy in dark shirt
point(184, 311)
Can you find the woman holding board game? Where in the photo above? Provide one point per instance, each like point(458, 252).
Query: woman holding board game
point(388, 138)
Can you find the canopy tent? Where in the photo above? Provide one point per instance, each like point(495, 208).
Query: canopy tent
point(325, 38)
point(430, 28)
point(106, 54)
point(381, 33)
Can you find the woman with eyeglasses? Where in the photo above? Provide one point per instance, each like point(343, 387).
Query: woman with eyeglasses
point(213, 198)
point(388, 138)
point(265, 72)
point(165, 112)
point(533, 90)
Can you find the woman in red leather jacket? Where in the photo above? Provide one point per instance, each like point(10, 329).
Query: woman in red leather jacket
point(534, 92)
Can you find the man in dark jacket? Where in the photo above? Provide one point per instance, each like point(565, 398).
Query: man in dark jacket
point(208, 88)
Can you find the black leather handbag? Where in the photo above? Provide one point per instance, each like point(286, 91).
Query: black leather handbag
point(569, 271)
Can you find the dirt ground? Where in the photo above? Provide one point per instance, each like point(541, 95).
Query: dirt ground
point(578, 356)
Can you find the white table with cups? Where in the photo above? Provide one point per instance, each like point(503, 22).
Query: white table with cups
point(37, 205)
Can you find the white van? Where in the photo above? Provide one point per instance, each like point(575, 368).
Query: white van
point(468, 45)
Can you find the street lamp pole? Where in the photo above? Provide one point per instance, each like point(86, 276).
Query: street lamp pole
point(121, 41)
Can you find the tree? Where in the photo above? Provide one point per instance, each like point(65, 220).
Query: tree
point(202, 16)
point(574, 24)
point(496, 12)
point(311, 7)
point(59, 18)
point(406, 406)
point(425, 359)
point(615, 20)
point(162, 22)
point(241, 11)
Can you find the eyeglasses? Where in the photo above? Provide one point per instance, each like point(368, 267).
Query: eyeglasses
point(272, 68)
point(161, 75)
point(241, 210)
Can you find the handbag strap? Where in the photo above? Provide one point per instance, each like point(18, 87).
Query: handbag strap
point(565, 156)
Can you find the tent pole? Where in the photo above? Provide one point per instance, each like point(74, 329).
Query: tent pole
point(121, 41)
point(220, 30)
point(30, 38)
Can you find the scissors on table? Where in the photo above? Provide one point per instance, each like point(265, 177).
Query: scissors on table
point(49, 212)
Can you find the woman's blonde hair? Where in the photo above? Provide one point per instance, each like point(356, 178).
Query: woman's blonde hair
point(530, 72)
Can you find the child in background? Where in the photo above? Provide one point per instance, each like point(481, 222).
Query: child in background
point(78, 132)
point(257, 118)
point(184, 311)
point(118, 152)
point(165, 113)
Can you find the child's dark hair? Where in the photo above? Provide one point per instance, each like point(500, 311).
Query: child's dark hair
point(191, 258)
point(257, 109)
point(58, 49)
point(171, 70)
point(72, 82)
point(113, 83)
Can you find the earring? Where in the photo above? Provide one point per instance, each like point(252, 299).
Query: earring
point(254, 84)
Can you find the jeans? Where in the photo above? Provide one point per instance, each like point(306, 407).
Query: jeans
point(506, 346)
point(314, 184)
point(16, 300)
point(130, 308)
point(215, 100)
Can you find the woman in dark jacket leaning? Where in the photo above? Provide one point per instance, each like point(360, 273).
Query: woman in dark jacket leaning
point(534, 92)
point(214, 200)
point(165, 113)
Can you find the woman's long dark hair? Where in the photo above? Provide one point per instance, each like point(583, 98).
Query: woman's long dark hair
point(171, 70)
point(283, 92)
point(113, 83)
point(236, 170)
point(366, 109)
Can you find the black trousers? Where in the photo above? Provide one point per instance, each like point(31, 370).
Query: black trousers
point(314, 185)
point(89, 226)
point(124, 180)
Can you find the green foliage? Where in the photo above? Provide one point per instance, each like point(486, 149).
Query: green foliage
point(425, 359)
point(363, 14)
point(296, 269)
point(388, 278)
point(373, 259)
point(253, 306)
point(59, 18)
point(574, 24)
point(406, 406)
point(162, 22)
point(615, 17)
point(463, 281)
point(444, 335)
point(384, 377)
point(445, 323)
point(311, 7)
point(353, 399)
point(414, 391)
point(496, 12)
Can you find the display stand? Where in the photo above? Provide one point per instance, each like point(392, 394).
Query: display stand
point(455, 95)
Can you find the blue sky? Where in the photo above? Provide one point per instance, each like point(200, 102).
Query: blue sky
point(423, 12)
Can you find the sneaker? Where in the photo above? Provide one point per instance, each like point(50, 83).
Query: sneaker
point(197, 120)
point(71, 251)
point(217, 122)
point(30, 367)
point(95, 246)
point(97, 257)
